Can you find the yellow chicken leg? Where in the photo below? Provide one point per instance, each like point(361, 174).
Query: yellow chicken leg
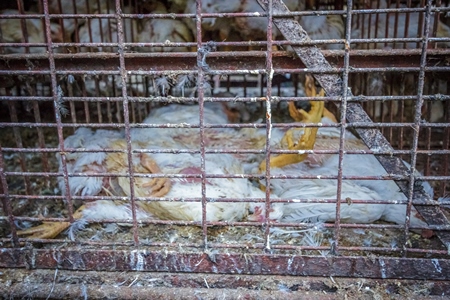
point(308, 137)
point(49, 230)
point(306, 141)
point(310, 91)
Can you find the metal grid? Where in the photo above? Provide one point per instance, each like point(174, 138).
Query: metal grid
point(49, 89)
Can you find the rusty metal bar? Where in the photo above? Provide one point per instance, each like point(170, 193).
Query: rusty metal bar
point(224, 150)
point(202, 51)
point(279, 125)
point(19, 143)
point(417, 121)
point(269, 73)
point(209, 199)
point(161, 99)
point(56, 105)
point(102, 62)
point(223, 223)
point(228, 263)
point(154, 285)
point(126, 116)
point(343, 120)
point(6, 202)
point(333, 85)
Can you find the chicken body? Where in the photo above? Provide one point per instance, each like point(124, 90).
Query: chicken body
point(11, 32)
point(187, 163)
point(319, 165)
point(255, 27)
point(164, 30)
point(324, 27)
point(181, 135)
point(70, 25)
point(353, 165)
point(107, 173)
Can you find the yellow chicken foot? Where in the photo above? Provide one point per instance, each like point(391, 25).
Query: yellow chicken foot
point(298, 117)
point(310, 91)
point(306, 141)
point(308, 137)
point(160, 186)
point(49, 230)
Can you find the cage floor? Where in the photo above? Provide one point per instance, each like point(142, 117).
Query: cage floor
point(189, 238)
point(58, 284)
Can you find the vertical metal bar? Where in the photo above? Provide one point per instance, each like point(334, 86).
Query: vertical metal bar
point(246, 85)
point(23, 25)
point(436, 17)
point(19, 143)
point(426, 106)
point(446, 144)
point(73, 113)
point(407, 16)
point(118, 114)
point(269, 74)
point(201, 94)
point(417, 118)
point(126, 116)
point(41, 140)
point(377, 18)
point(99, 105)
point(343, 122)
point(401, 113)
point(56, 106)
point(75, 20)
point(396, 17)
point(6, 201)
point(420, 27)
point(133, 111)
point(87, 114)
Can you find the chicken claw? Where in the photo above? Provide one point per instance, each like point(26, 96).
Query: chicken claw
point(49, 230)
point(159, 186)
point(308, 138)
point(310, 90)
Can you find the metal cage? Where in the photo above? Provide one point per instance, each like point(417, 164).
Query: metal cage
point(107, 65)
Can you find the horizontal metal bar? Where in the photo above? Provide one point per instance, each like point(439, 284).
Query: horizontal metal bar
point(229, 263)
point(221, 151)
point(106, 63)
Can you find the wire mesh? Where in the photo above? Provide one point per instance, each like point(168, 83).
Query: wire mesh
point(104, 81)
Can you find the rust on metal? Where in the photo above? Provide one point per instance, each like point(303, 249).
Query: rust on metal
point(227, 263)
point(312, 57)
point(250, 60)
point(136, 285)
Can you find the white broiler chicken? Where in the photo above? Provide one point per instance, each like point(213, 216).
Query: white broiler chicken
point(249, 28)
point(104, 30)
point(77, 7)
point(11, 32)
point(325, 165)
point(163, 31)
point(155, 163)
point(324, 27)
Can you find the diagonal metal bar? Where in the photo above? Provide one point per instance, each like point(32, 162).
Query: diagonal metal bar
point(312, 57)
